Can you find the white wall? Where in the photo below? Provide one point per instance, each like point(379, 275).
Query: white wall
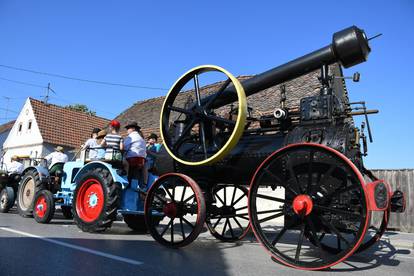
point(25, 141)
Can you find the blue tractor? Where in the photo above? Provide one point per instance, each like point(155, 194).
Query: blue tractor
point(94, 192)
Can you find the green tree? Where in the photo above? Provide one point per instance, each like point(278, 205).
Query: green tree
point(81, 108)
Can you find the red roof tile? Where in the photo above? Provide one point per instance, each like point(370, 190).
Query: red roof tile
point(7, 126)
point(62, 126)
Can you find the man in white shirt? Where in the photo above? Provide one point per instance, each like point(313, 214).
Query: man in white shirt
point(56, 157)
point(15, 166)
point(136, 152)
point(92, 144)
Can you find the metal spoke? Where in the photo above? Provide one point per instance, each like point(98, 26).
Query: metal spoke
point(166, 227)
point(217, 94)
point(182, 228)
point(237, 201)
point(271, 217)
point(308, 188)
point(172, 231)
point(284, 229)
point(197, 90)
point(241, 208)
point(202, 136)
point(275, 177)
point(188, 223)
point(336, 211)
point(225, 199)
point(187, 128)
point(183, 194)
point(224, 227)
point(326, 175)
point(241, 216)
point(333, 228)
point(233, 196)
point(238, 223)
point(219, 198)
point(268, 211)
point(179, 109)
point(230, 228)
point(273, 198)
point(315, 237)
point(293, 176)
point(217, 222)
point(163, 200)
point(188, 199)
point(300, 242)
point(170, 195)
point(219, 119)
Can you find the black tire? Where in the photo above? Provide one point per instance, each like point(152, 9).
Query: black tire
point(67, 212)
point(29, 186)
point(99, 185)
point(136, 222)
point(7, 197)
point(44, 206)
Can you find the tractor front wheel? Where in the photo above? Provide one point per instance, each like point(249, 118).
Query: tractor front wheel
point(6, 199)
point(29, 186)
point(95, 201)
point(44, 207)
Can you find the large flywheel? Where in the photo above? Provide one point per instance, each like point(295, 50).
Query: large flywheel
point(195, 129)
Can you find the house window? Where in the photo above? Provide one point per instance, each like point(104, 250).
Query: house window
point(19, 130)
point(29, 126)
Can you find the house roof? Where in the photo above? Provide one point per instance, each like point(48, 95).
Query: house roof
point(62, 126)
point(7, 126)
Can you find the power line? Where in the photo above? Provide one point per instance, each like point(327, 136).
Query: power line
point(6, 109)
point(24, 83)
point(81, 79)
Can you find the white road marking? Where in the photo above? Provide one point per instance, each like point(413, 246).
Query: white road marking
point(80, 248)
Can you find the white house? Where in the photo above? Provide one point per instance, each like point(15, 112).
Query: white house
point(40, 127)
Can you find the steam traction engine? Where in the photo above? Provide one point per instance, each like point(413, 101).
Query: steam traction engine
point(310, 198)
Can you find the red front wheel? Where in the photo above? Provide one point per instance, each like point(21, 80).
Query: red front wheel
point(44, 206)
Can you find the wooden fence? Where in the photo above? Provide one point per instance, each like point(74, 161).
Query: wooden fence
point(402, 180)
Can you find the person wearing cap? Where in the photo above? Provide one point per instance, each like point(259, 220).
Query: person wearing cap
point(152, 149)
point(92, 144)
point(99, 138)
point(15, 167)
point(136, 152)
point(113, 140)
point(56, 160)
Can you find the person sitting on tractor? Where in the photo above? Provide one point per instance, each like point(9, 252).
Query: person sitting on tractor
point(113, 140)
point(152, 151)
point(99, 139)
point(92, 144)
point(14, 170)
point(136, 153)
point(56, 160)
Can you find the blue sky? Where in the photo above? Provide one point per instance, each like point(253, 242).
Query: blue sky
point(152, 44)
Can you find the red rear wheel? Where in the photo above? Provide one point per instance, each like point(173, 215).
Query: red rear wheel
point(90, 200)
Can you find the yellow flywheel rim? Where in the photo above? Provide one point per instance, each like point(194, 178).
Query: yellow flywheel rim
point(240, 122)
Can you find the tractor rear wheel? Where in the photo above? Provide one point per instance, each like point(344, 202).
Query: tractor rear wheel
point(95, 201)
point(7, 197)
point(29, 186)
point(44, 207)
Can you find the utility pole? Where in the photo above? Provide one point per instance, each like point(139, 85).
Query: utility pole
point(7, 108)
point(47, 93)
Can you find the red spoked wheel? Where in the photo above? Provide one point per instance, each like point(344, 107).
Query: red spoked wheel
point(228, 219)
point(44, 206)
point(95, 201)
point(304, 198)
point(175, 210)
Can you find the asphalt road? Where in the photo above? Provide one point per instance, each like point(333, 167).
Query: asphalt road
point(60, 248)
